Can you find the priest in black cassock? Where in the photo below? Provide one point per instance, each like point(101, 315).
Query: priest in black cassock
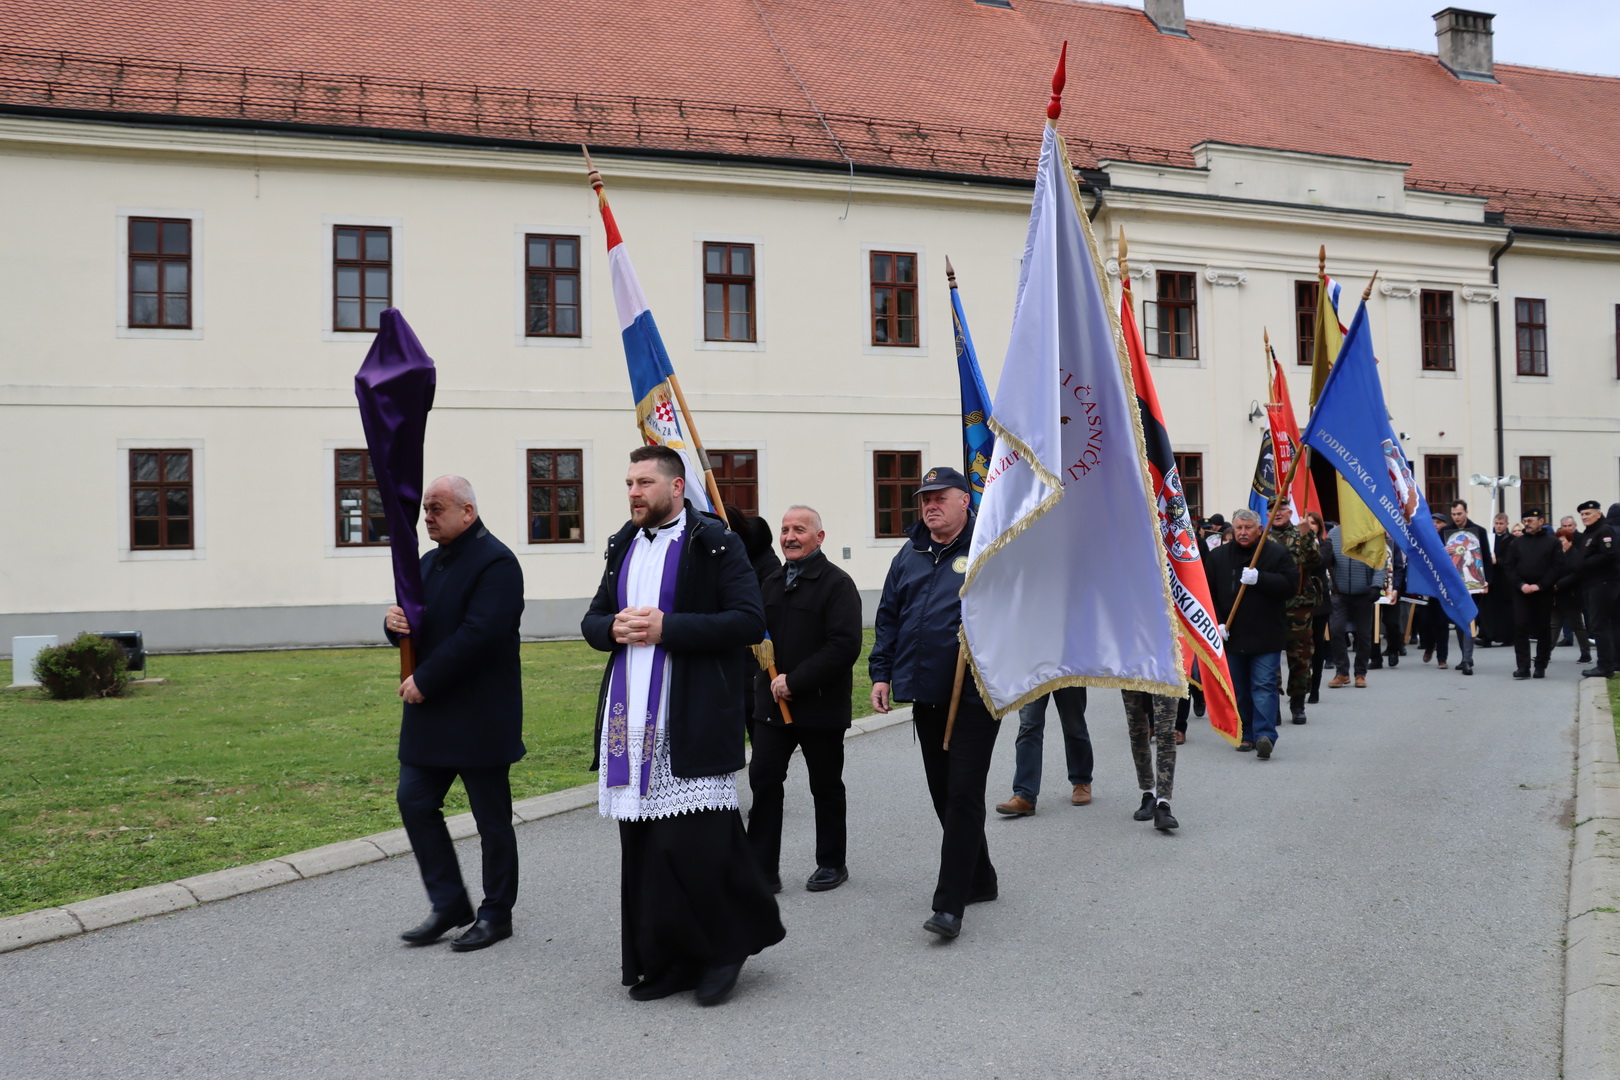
point(678, 606)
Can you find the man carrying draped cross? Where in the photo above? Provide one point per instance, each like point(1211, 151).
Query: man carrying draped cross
point(677, 607)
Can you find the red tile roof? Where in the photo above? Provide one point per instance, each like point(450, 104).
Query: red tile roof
point(934, 86)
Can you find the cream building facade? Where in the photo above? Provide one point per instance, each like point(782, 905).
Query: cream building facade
point(258, 387)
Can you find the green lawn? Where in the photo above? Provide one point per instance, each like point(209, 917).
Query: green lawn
point(1614, 709)
point(282, 750)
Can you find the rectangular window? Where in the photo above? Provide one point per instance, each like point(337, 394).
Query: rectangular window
point(1440, 481)
point(1530, 317)
point(1536, 487)
point(1439, 331)
point(1190, 467)
point(556, 497)
point(728, 292)
point(160, 500)
point(1174, 321)
point(160, 273)
point(896, 475)
point(1305, 321)
point(736, 474)
point(894, 298)
point(361, 521)
point(362, 276)
point(552, 287)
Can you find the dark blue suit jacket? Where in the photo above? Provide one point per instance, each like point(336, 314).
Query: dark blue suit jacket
point(467, 657)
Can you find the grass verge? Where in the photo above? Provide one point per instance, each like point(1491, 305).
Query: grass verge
point(242, 757)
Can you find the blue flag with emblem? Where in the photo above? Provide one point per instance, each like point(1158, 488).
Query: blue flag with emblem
point(977, 439)
point(1350, 428)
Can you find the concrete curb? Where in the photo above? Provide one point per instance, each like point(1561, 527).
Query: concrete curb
point(82, 916)
point(1592, 952)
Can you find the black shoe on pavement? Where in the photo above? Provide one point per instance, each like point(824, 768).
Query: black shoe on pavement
point(1521, 673)
point(1596, 673)
point(1584, 658)
point(1393, 661)
point(1163, 820)
point(436, 925)
point(673, 981)
point(1563, 642)
point(1198, 704)
point(1145, 811)
point(1313, 698)
point(1296, 709)
point(944, 924)
point(827, 877)
point(1466, 667)
point(482, 935)
point(1541, 673)
point(1262, 747)
point(1245, 746)
point(717, 983)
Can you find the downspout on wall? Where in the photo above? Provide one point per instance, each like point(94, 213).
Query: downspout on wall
point(1496, 345)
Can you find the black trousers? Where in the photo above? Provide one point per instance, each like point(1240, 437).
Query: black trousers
point(1600, 619)
point(824, 762)
point(421, 793)
point(956, 779)
point(1533, 617)
point(1569, 608)
point(1352, 613)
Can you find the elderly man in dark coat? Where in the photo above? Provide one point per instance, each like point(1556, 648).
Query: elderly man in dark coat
point(1259, 628)
point(463, 714)
point(813, 612)
point(677, 607)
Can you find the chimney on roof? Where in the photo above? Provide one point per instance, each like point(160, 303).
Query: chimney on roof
point(1465, 43)
point(1168, 16)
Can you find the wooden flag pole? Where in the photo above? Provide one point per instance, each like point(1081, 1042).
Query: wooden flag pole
point(407, 658)
point(1411, 613)
point(765, 653)
point(956, 695)
point(595, 178)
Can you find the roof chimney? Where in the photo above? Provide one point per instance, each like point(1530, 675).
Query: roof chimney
point(1465, 43)
point(1170, 16)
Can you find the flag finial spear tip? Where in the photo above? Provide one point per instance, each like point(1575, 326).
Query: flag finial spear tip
point(1124, 260)
point(1366, 294)
point(1265, 332)
point(590, 169)
point(1054, 108)
point(1321, 261)
point(950, 272)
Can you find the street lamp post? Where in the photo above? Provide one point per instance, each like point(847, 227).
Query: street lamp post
point(1495, 483)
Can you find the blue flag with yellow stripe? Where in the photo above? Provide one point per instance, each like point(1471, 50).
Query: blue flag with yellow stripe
point(977, 440)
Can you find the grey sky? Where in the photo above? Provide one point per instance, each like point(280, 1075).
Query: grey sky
point(1573, 35)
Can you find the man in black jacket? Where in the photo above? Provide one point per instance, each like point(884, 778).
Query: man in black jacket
point(1532, 565)
point(813, 612)
point(1259, 628)
point(1460, 522)
point(914, 659)
point(1599, 573)
point(463, 714)
point(677, 607)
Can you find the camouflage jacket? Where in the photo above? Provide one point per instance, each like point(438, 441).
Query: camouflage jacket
point(1307, 556)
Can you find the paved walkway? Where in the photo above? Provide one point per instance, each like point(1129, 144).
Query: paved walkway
point(1385, 898)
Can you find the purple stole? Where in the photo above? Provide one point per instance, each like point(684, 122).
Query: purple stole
point(618, 726)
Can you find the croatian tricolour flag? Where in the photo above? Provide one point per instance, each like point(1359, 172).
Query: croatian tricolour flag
point(1066, 578)
point(650, 371)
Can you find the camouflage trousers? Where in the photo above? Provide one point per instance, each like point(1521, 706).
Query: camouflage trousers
point(1152, 716)
point(1300, 650)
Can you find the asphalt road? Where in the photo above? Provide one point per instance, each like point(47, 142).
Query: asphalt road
point(1384, 898)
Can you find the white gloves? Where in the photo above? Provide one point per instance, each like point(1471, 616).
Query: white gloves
point(1225, 635)
point(1249, 576)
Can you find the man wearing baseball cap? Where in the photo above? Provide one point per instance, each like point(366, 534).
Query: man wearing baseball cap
point(1599, 573)
point(914, 659)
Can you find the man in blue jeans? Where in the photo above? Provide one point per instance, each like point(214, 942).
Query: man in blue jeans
point(1071, 707)
point(1257, 632)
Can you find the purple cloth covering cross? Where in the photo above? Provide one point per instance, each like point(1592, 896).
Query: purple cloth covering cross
point(395, 386)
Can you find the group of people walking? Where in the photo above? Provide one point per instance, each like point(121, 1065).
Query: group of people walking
point(683, 599)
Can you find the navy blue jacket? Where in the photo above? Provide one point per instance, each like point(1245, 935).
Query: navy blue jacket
point(716, 615)
point(467, 657)
point(917, 620)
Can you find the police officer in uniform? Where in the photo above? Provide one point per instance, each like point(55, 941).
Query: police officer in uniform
point(1599, 573)
point(914, 659)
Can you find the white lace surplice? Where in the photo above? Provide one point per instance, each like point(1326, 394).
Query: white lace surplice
point(667, 794)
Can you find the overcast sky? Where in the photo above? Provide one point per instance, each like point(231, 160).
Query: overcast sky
point(1573, 35)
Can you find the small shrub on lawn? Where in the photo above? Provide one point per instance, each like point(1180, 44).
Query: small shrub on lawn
point(86, 667)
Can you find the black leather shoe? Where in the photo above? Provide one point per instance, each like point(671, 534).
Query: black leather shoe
point(1145, 811)
point(1585, 658)
point(717, 983)
point(674, 981)
point(1313, 698)
point(482, 935)
point(1296, 709)
point(1595, 673)
point(1262, 747)
point(827, 877)
point(1163, 820)
point(1198, 705)
point(1521, 673)
point(1245, 746)
point(436, 925)
point(944, 924)
point(1541, 673)
point(1392, 661)
point(1466, 667)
